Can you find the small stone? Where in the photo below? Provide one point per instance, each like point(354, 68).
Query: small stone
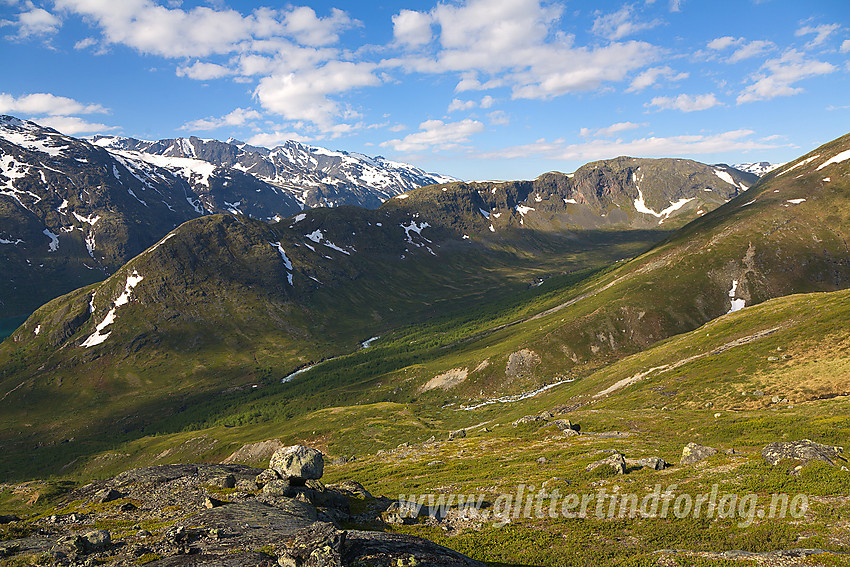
point(527, 419)
point(127, 507)
point(717, 415)
point(459, 434)
point(775, 399)
point(731, 452)
point(543, 461)
point(210, 502)
point(693, 453)
point(436, 463)
point(772, 358)
point(107, 495)
point(97, 540)
point(617, 461)
point(430, 440)
point(226, 481)
point(654, 463)
point(758, 393)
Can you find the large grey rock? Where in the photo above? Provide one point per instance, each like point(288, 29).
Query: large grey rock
point(298, 462)
point(654, 463)
point(693, 453)
point(803, 451)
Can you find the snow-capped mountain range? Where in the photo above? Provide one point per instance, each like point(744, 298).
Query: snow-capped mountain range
point(313, 176)
point(74, 210)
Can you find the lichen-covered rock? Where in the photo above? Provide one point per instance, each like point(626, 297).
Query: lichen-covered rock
point(654, 463)
point(803, 451)
point(96, 540)
point(298, 462)
point(616, 461)
point(278, 488)
point(693, 453)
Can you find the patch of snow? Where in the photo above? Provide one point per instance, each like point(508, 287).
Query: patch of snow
point(63, 208)
point(640, 206)
point(737, 304)
point(725, 177)
point(843, 156)
point(402, 196)
point(367, 343)
point(15, 242)
point(91, 219)
point(54, 240)
point(826, 179)
point(571, 201)
point(523, 210)
point(99, 336)
point(37, 330)
point(319, 238)
point(516, 397)
point(800, 164)
point(492, 229)
point(796, 201)
point(299, 217)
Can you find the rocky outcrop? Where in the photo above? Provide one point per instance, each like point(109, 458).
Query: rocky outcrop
point(803, 451)
point(221, 516)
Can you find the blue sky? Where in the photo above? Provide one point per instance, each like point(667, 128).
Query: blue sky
point(478, 89)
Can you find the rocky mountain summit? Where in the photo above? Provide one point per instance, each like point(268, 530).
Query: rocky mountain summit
point(222, 516)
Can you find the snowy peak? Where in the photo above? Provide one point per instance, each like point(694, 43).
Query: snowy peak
point(759, 168)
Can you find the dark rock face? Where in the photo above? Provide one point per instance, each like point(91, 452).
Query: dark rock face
point(803, 451)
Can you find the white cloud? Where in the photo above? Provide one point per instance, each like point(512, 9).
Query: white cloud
point(516, 43)
point(651, 76)
point(203, 31)
point(676, 5)
point(821, 33)
point(412, 28)
point(685, 103)
point(237, 117)
point(85, 43)
point(203, 71)
point(684, 145)
point(45, 103)
point(745, 49)
point(436, 135)
point(725, 42)
point(499, 118)
point(487, 101)
point(458, 104)
point(33, 21)
point(610, 130)
point(72, 125)
point(621, 23)
point(778, 76)
point(845, 46)
point(306, 27)
point(752, 49)
point(276, 138)
point(305, 95)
